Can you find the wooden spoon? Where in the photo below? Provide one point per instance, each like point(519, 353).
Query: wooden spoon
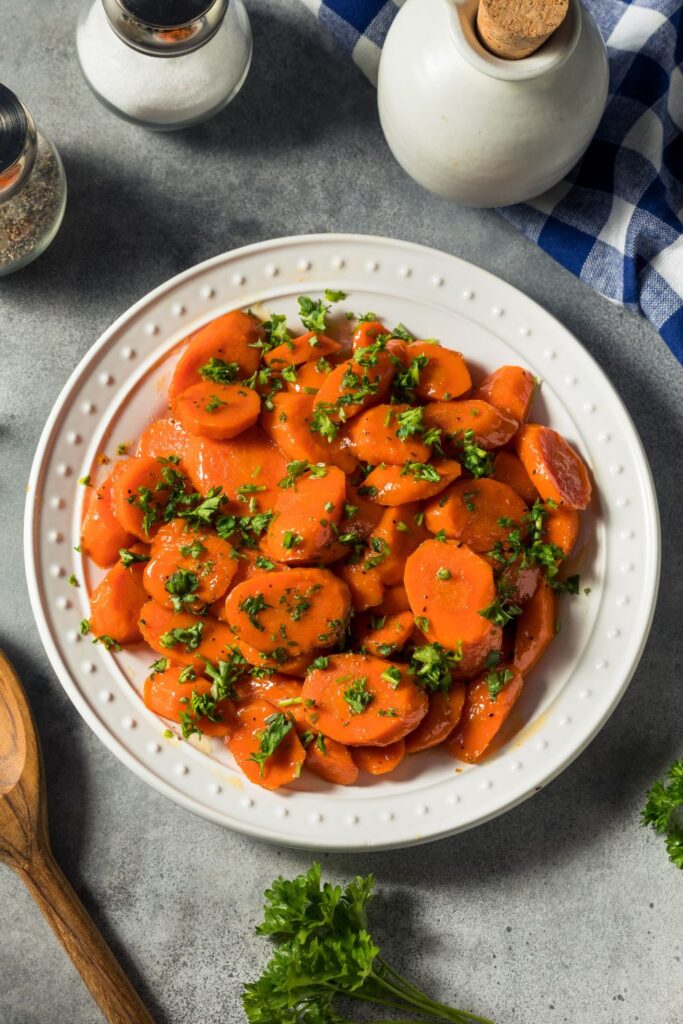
point(25, 846)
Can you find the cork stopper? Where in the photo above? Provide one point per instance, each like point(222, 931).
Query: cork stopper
point(516, 28)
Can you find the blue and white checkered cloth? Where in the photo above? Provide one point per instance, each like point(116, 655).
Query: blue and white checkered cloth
point(616, 221)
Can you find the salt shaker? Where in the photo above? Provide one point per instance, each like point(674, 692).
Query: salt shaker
point(164, 64)
point(32, 186)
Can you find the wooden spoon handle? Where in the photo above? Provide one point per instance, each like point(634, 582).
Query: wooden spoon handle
point(75, 929)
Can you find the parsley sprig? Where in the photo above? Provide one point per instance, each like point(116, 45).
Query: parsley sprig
point(325, 952)
point(431, 666)
point(663, 811)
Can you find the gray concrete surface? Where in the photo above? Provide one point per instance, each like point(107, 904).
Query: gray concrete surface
point(564, 910)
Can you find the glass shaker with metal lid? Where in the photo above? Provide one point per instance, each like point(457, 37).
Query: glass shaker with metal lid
point(164, 64)
point(32, 186)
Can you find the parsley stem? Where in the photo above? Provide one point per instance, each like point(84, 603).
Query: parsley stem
point(420, 1001)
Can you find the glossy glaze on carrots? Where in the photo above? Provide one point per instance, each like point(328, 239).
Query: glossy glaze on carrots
point(342, 552)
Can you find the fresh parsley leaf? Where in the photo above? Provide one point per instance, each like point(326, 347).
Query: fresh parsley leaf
point(333, 295)
point(128, 557)
point(182, 585)
point(357, 695)
point(431, 666)
point(252, 607)
point(278, 725)
point(218, 371)
point(663, 811)
point(313, 315)
point(496, 680)
point(190, 637)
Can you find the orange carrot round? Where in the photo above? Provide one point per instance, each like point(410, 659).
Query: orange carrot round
point(491, 427)
point(445, 711)
point(511, 389)
point(163, 439)
point(249, 467)
point(367, 333)
point(276, 661)
point(379, 760)
point(248, 744)
point(383, 635)
point(445, 376)
point(558, 473)
point(167, 696)
point(354, 385)
point(183, 638)
point(395, 537)
point(306, 514)
point(395, 600)
point(301, 349)
point(332, 761)
point(363, 701)
point(364, 583)
point(561, 528)
point(193, 570)
point(483, 716)
point(227, 343)
point(140, 493)
point(399, 485)
point(288, 424)
point(507, 469)
point(535, 628)
point(479, 513)
point(101, 533)
point(376, 436)
point(116, 601)
point(218, 411)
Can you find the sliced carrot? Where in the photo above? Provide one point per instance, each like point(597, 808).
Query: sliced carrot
point(311, 605)
point(559, 474)
point(399, 485)
point(282, 691)
point(535, 628)
point(398, 533)
point(301, 349)
point(374, 436)
point(367, 333)
point(448, 586)
point(482, 718)
point(101, 533)
point(479, 513)
point(288, 424)
point(365, 585)
point(166, 695)
point(519, 582)
point(562, 528)
point(491, 427)
point(507, 469)
point(310, 377)
point(163, 439)
point(183, 638)
point(194, 570)
point(445, 711)
point(218, 411)
point(116, 601)
point(355, 385)
point(511, 389)
point(445, 376)
point(379, 760)
point(364, 514)
point(283, 765)
point(395, 600)
point(383, 635)
point(331, 760)
point(140, 493)
point(306, 515)
point(231, 339)
point(276, 661)
point(356, 703)
point(248, 467)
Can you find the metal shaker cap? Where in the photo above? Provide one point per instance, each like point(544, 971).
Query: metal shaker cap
point(165, 28)
point(17, 143)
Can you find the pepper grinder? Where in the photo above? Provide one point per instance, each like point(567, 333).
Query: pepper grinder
point(32, 186)
point(491, 102)
point(164, 64)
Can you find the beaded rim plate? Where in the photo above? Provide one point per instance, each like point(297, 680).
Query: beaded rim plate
point(119, 386)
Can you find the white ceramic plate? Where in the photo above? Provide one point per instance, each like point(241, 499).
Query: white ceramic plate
point(120, 385)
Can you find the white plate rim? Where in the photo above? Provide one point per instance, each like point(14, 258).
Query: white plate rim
point(351, 841)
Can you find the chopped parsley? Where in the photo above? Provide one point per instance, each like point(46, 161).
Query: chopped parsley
point(214, 404)
point(252, 607)
point(190, 637)
point(182, 585)
point(431, 666)
point(421, 471)
point(313, 315)
point(128, 557)
point(496, 680)
point(218, 371)
point(108, 642)
point(357, 695)
point(278, 726)
point(663, 811)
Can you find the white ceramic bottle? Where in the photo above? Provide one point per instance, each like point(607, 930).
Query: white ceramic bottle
point(478, 128)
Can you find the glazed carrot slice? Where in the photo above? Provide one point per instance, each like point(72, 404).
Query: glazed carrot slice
point(398, 533)
point(101, 533)
point(192, 571)
point(223, 348)
point(376, 436)
point(383, 635)
point(331, 760)
point(491, 427)
point(364, 515)
point(357, 703)
point(167, 696)
point(310, 377)
point(288, 424)
point(445, 711)
point(399, 485)
point(367, 333)
point(302, 349)
point(183, 638)
point(140, 493)
point(479, 513)
point(248, 467)
point(116, 601)
point(365, 585)
point(559, 474)
point(395, 600)
point(483, 716)
point(445, 376)
point(163, 439)
point(354, 385)
point(448, 586)
point(519, 582)
point(311, 605)
point(507, 469)
point(379, 760)
point(511, 389)
point(535, 628)
point(218, 411)
point(562, 529)
point(305, 516)
point(255, 722)
point(276, 661)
